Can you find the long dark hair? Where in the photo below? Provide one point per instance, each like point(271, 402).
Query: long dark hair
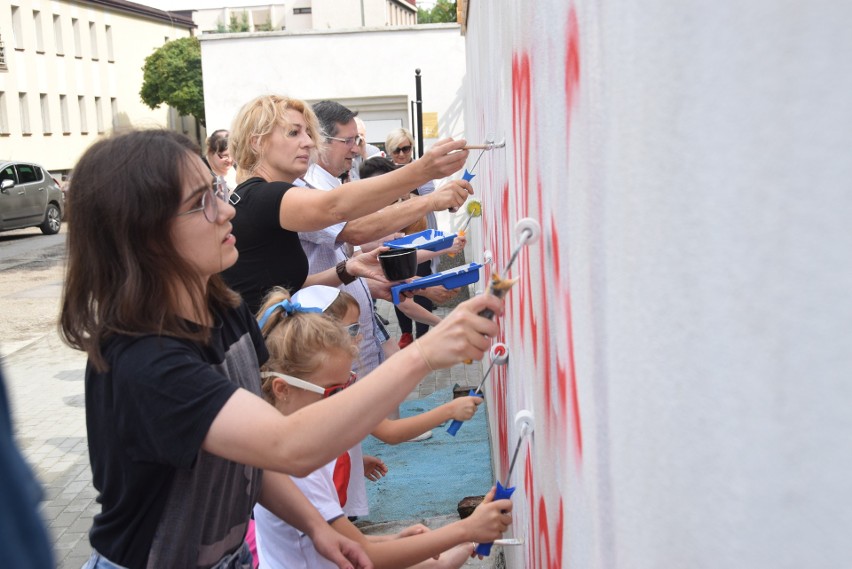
point(122, 269)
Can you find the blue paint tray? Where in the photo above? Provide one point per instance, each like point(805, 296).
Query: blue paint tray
point(449, 279)
point(430, 239)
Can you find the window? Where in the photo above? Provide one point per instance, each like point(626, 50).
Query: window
point(110, 52)
point(78, 43)
point(24, 112)
point(84, 124)
point(57, 34)
point(99, 115)
point(113, 105)
point(4, 118)
point(93, 39)
point(45, 113)
point(63, 111)
point(28, 174)
point(39, 35)
point(17, 29)
point(2, 55)
point(302, 10)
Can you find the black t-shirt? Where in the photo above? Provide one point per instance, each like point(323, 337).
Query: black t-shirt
point(165, 502)
point(269, 255)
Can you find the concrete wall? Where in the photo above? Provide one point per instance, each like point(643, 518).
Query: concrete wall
point(58, 70)
point(682, 330)
point(369, 70)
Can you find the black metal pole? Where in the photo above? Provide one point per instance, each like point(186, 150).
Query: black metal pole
point(413, 125)
point(419, 97)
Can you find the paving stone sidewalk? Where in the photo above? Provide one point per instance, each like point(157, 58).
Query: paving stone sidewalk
point(45, 383)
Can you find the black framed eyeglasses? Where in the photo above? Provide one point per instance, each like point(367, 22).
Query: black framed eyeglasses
point(351, 141)
point(210, 200)
point(402, 150)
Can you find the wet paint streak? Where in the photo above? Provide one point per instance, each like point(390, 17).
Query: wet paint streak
point(564, 377)
point(521, 88)
point(572, 63)
point(502, 419)
point(529, 492)
point(549, 548)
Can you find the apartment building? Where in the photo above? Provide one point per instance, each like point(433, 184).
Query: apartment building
point(71, 71)
point(302, 15)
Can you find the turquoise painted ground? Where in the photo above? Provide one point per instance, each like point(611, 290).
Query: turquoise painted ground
point(428, 478)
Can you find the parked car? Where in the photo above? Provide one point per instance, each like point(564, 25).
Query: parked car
point(29, 197)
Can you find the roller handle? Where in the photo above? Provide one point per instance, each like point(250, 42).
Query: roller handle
point(484, 549)
point(456, 424)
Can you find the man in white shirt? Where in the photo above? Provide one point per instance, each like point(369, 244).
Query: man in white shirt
point(333, 244)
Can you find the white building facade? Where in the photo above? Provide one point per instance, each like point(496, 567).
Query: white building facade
point(303, 15)
point(72, 71)
point(369, 70)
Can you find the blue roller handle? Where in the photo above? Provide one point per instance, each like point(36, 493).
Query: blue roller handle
point(456, 424)
point(467, 176)
point(484, 549)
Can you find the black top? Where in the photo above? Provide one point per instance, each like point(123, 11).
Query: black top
point(165, 502)
point(269, 255)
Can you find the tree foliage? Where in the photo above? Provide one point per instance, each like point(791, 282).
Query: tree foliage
point(442, 11)
point(172, 75)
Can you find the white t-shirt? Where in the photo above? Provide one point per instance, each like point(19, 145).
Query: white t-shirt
point(280, 545)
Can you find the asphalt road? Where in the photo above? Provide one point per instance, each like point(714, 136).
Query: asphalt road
point(31, 273)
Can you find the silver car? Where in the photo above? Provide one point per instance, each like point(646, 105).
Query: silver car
point(29, 197)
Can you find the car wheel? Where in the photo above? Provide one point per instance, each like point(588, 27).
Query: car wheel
point(52, 221)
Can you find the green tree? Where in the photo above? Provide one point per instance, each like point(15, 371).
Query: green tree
point(442, 11)
point(239, 23)
point(172, 75)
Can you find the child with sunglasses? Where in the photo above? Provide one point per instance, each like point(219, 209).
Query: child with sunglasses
point(310, 360)
point(344, 308)
point(180, 442)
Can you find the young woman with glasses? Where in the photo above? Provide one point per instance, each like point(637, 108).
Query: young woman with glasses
point(273, 140)
point(310, 361)
point(181, 445)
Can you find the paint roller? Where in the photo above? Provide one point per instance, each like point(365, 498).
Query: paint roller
point(525, 423)
point(499, 356)
point(474, 209)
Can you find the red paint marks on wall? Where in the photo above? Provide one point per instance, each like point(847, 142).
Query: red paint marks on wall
point(502, 420)
point(567, 374)
point(549, 545)
point(545, 548)
point(572, 63)
point(521, 90)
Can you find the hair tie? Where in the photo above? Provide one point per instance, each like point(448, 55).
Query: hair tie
point(288, 307)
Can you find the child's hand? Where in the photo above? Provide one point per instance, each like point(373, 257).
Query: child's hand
point(458, 244)
point(463, 408)
point(490, 519)
point(374, 468)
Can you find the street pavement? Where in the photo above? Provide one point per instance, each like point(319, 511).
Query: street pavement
point(45, 383)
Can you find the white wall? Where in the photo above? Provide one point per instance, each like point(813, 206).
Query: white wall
point(682, 331)
point(364, 65)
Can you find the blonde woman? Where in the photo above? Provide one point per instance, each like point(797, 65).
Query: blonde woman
point(273, 140)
